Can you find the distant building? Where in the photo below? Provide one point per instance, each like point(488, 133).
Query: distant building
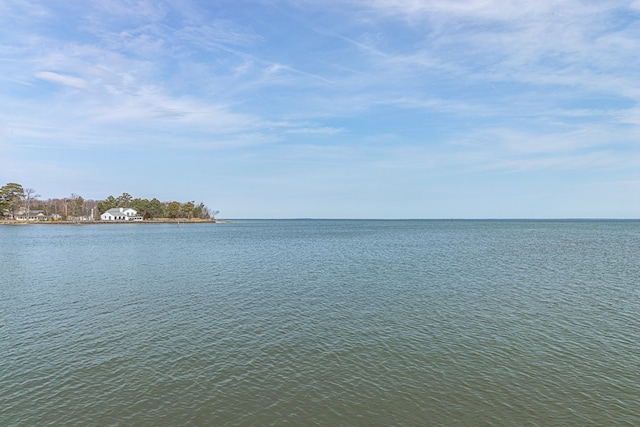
point(120, 214)
point(33, 215)
point(29, 215)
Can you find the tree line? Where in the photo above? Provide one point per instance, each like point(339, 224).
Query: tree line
point(16, 201)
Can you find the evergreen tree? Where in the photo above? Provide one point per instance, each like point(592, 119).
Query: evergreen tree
point(172, 209)
point(11, 196)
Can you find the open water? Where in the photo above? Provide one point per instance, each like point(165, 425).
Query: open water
point(321, 322)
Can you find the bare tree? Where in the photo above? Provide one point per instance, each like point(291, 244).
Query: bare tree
point(29, 195)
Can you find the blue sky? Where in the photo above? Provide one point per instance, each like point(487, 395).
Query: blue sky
point(327, 109)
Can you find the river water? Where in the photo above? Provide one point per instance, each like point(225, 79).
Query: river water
point(321, 322)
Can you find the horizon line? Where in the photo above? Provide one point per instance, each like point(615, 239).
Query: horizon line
point(435, 219)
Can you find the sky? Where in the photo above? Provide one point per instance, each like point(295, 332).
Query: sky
point(327, 109)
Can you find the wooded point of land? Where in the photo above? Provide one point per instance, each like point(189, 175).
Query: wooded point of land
point(24, 204)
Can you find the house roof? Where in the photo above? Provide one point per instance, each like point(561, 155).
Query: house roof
point(120, 211)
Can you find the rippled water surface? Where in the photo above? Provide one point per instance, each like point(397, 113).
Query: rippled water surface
point(321, 323)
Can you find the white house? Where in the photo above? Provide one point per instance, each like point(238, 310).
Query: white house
point(120, 214)
point(30, 215)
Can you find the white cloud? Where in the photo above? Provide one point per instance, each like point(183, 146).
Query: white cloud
point(128, 10)
point(630, 116)
point(569, 42)
point(275, 68)
point(510, 11)
point(320, 130)
point(62, 79)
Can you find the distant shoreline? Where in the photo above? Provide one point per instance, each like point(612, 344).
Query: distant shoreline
point(100, 222)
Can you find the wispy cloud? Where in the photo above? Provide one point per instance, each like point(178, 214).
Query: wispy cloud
point(565, 43)
point(62, 79)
